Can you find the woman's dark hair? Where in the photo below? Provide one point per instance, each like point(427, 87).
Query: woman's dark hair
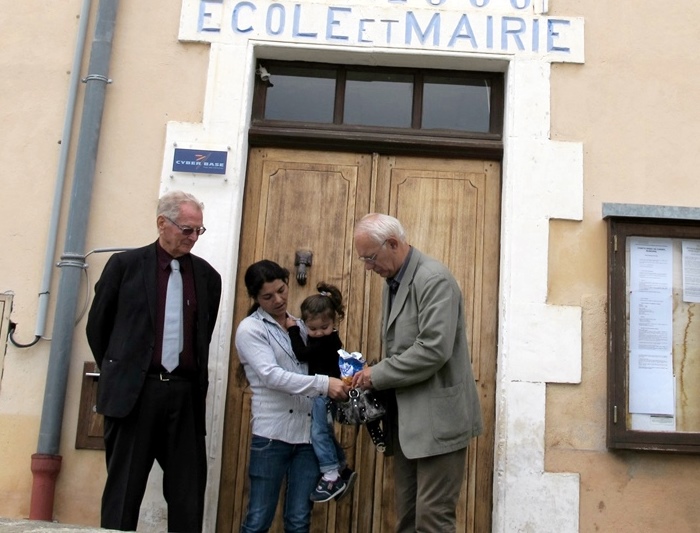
point(260, 273)
point(328, 301)
point(255, 277)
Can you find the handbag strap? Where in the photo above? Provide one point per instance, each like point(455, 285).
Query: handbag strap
point(377, 435)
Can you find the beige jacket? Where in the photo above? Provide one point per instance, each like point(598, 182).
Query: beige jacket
point(427, 361)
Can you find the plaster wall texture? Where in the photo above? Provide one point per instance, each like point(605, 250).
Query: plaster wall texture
point(607, 128)
point(630, 106)
point(37, 56)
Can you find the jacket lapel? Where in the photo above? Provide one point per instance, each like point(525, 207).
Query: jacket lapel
point(149, 279)
point(402, 294)
point(200, 289)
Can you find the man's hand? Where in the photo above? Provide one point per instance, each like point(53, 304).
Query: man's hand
point(337, 389)
point(363, 379)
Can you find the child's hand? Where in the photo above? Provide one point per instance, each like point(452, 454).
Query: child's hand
point(290, 322)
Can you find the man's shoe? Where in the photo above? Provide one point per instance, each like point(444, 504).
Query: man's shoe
point(327, 490)
point(349, 476)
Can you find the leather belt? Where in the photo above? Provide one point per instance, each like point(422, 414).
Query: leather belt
point(167, 376)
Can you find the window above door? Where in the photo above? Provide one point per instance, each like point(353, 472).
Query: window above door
point(402, 109)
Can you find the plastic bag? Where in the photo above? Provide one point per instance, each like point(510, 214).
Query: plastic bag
point(350, 364)
point(363, 405)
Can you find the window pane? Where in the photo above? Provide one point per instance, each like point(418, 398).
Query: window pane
point(376, 99)
point(300, 94)
point(456, 104)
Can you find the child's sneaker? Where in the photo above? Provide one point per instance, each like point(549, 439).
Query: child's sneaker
point(327, 490)
point(348, 475)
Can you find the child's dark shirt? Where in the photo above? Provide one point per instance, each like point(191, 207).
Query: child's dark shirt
point(321, 352)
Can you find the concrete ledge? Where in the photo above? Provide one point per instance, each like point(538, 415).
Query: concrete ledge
point(650, 211)
point(27, 526)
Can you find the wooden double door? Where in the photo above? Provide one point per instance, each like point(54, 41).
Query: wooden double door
point(309, 201)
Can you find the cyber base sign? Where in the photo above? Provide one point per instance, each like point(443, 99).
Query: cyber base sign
point(201, 161)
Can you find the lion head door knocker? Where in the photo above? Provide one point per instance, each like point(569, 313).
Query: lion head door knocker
point(302, 260)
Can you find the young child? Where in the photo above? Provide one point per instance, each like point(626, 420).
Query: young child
point(321, 314)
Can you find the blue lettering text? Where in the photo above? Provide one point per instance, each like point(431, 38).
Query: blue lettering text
point(516, 33)
point(331, 22)
point(412, 27)
point(275, 8)
point(236, 15)
point(517, 4)
point(470, 30)
point(295, 28)
point(204, 21)
point(463, 31)
point(388, 28)
point(362, 30)
point(535, 35)
point(552, 34)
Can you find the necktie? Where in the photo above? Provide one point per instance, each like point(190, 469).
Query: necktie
point(393, 289)
point(172, 326)
point(393, 285)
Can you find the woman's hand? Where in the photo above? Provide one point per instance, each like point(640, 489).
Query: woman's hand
point(337, 389)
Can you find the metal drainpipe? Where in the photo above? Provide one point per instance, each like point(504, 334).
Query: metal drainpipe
point(60, 179)
point(44, 291)
point(46, 463)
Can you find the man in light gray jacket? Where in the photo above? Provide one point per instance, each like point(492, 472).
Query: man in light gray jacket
point(426, 365)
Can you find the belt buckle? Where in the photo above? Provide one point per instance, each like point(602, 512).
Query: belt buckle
point(162, 377)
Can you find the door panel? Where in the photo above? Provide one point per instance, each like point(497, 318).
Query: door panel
point(311, 200)
point(451, 211)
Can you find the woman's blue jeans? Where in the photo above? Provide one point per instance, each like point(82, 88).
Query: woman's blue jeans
point(270, 461)
point(329, 452)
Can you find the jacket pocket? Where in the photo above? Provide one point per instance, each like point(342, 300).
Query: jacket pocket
point(449, 414)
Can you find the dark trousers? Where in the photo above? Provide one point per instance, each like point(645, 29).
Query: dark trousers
point(161, 427)
point(427, 490)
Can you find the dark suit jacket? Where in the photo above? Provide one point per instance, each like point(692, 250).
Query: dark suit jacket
point(121, 327)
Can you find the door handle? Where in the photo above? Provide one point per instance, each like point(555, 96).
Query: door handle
point(302, 260)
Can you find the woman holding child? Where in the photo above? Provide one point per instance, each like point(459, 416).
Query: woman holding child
point(282, 403)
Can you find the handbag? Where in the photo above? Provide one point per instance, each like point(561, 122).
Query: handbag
point(361, 407)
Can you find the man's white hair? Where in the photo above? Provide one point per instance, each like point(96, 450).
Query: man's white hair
point(379, 227)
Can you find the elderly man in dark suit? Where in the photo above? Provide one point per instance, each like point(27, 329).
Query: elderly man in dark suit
point(426, 370)
point(149, 328)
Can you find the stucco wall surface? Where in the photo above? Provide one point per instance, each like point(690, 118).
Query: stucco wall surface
point(632, 105)
point(154, 80)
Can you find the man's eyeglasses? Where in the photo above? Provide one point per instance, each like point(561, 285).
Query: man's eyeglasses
point(371, 259)
point(186, 230)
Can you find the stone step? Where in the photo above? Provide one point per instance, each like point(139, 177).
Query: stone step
point(8, 525)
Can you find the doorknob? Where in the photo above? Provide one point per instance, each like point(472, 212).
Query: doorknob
point(302, 259)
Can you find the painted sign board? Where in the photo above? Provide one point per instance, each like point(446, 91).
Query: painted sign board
point(200, 161)
point(504, 27)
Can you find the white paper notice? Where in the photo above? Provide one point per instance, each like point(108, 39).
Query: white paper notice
point(651, 387)
point(651, 321)
point(691, 271)
point(651, 384)
point(651, 264)
point(653, 423)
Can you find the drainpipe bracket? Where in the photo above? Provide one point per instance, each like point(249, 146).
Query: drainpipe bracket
point(72, 260)
point(98, 77)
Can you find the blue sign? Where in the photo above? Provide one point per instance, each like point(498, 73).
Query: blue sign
point(202, 161)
